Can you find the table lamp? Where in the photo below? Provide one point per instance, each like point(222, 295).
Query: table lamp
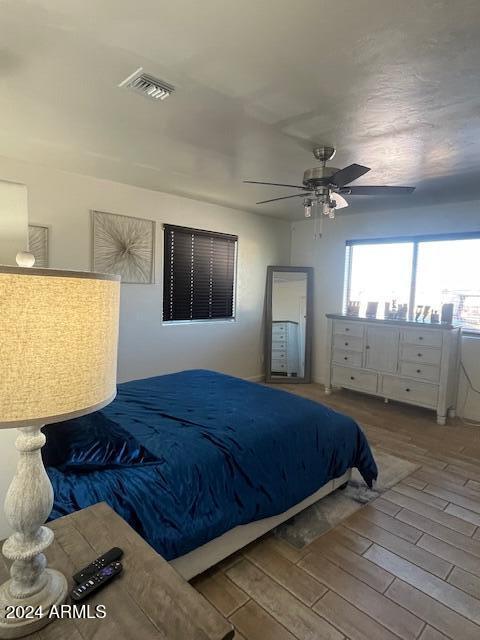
point(58, 360)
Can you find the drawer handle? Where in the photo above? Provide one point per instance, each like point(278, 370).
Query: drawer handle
point(420, 337)
point(345, 357)
point(352, 377)
point(419, 355)
point(407, 389)
point(347, 329)
point(367, 347)
point(419, 371)
point(346, 344)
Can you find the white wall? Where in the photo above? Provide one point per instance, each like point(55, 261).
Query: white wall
point(327, 256)
point(13, 238)
point(286, 300)
point(13, 220)
point(63, 202)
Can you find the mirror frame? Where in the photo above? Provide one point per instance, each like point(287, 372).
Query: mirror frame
point(308, 327)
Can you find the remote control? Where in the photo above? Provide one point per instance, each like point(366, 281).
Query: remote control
point(96, 565)
point(97, 581)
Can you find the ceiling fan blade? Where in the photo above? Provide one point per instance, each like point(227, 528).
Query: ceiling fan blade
point(275, 184)
point(340, 202)
point(347, 175)
point(297, 195)
point(377, 191)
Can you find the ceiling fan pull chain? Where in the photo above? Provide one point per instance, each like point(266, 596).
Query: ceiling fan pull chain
point(318, 223)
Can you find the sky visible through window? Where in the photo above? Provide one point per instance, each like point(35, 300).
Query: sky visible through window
point(381, 273)
point(447, 271)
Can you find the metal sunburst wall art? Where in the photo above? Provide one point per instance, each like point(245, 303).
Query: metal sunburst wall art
point(125, 246)
point(38, 244)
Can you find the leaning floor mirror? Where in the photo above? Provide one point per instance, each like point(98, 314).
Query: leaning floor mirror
point(288, 324)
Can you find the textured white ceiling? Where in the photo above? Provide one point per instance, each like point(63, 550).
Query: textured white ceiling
point(393, 85)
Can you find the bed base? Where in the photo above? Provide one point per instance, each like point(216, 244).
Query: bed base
point(200, 559)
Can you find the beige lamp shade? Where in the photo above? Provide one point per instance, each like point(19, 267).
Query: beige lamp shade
point(58, 344)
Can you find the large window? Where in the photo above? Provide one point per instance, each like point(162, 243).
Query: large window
point(199, 274)
point(425, 271)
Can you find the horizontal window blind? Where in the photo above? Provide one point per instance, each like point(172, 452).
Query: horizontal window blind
point(199, 274)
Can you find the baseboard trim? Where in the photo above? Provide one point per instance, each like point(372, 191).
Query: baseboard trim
point(261, 378)
point(258, 378)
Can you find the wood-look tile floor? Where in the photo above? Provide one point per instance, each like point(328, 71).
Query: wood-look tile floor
point(405, 566)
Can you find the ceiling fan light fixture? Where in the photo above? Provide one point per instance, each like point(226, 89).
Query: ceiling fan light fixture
point(325, 186)
point(307, 207)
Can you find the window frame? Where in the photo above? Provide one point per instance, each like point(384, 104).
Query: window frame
point(416, 240)
point(233, 318)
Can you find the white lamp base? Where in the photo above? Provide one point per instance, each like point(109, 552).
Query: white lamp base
point(53, 593)
point(28, 504)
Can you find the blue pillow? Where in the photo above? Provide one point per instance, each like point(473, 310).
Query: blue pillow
point(91, 442)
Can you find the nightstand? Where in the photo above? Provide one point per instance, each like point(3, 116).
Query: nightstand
point(150, 600)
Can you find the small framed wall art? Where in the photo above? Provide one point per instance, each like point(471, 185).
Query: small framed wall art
point(38, 244)
point(123, 245)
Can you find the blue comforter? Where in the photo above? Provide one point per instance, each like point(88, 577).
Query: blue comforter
point(185, 457)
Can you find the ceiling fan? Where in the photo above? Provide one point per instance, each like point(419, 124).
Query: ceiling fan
point(325, 186)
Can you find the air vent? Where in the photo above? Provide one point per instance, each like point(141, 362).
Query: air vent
point(147, 85)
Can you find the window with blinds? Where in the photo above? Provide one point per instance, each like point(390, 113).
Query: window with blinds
point(199, 274)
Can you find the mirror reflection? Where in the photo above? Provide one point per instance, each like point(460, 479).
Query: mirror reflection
point(289, 313)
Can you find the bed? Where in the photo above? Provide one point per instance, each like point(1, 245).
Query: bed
point(201, 463)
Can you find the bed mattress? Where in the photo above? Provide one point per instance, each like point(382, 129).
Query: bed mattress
point(188, 456)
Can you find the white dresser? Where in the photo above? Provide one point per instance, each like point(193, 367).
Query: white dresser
point(285, 352)
point(407, 361)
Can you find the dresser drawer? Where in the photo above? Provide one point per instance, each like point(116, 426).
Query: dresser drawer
point(428, 355)
point(354, 379)
point(422, 337)
point(348, 343)
point(412, 391)
point(279, 365)
point(349, 358)
point(278, 354)
point(348, 328)
point(425, 371)
point(279, 344)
